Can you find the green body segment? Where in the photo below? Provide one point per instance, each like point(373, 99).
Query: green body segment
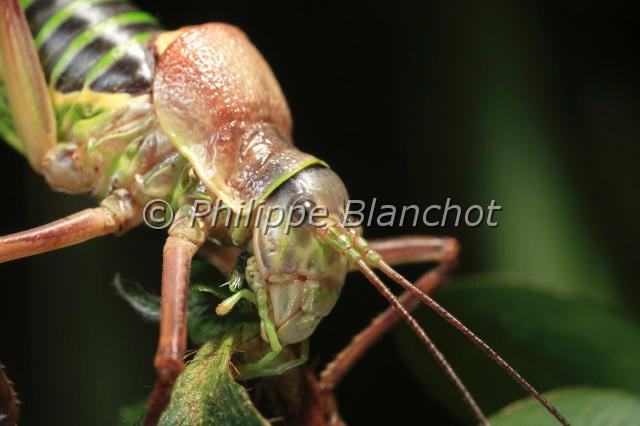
point(98, 65)
point(204, 134)
point(86, 45)
point(91, 35)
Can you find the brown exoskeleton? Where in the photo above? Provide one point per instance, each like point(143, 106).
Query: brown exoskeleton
point(184, 116)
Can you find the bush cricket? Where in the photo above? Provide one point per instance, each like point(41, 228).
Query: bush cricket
point(100, 100)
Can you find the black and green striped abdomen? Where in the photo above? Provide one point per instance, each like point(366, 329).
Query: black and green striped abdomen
point(99, 44)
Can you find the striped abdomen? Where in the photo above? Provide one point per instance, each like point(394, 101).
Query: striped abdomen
point(100, 44)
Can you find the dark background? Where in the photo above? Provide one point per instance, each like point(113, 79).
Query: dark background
point(533, 104)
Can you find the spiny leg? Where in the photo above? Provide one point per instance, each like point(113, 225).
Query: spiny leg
point(181, 246)
point(116, 213)
point(418, 249)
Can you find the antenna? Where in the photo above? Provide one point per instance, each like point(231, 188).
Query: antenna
point(440, 310)
point(358, 252)
point(422, 335)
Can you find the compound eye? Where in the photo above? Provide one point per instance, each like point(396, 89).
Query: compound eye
point(301, 209)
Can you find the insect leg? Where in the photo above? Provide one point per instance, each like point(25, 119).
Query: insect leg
point(376, 260)
point(422, 335)
point(116, 213)
point(181, 246)
point(263, 369)
point(397, 251)
point(265, 320)
point(26, 86)
point(416, 249)
point(222, 257)
point(359, 253)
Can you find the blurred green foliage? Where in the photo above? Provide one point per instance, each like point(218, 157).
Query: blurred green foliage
point(559, 314)
point(582, 406)
point(553, 341)
point(517, 161)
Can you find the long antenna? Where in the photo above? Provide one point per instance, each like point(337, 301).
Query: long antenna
point(440, 310)
point(422, 335)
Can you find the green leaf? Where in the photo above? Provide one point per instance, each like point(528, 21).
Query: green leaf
point(554, 342)
point(580, 406)
point(207, 394)
point(145, 303)
point(203, 328)
point(133, 414)
point(518, 159)
point(203, 322)
point(202, 301)
point(148, 304)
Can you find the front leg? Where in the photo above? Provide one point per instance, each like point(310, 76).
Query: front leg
point(116, 214)
point(181, 246)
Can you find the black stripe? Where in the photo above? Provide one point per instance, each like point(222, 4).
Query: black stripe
point(39, 12)
point(133, 73)
point(59, 40)
point(53, 47)
point(75, 74)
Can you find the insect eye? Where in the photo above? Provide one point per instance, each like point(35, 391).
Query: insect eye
point(301, 209)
